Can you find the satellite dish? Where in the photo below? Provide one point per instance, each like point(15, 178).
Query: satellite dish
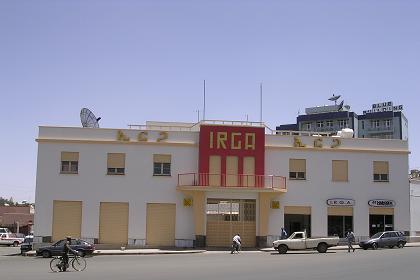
point(334, 97)
point(88, 119)
point(340, 106)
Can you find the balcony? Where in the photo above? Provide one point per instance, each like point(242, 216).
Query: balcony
point(231, 182)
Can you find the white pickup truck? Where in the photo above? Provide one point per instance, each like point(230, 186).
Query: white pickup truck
point(299, 241)
point(7, 238)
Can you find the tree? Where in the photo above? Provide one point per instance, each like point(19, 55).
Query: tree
point(4, 201)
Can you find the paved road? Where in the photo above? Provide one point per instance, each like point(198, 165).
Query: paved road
point(380, 264)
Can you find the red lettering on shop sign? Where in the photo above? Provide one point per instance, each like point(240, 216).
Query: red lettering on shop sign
point(226, 141)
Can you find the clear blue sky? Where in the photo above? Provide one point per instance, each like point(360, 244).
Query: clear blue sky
point(132, 61)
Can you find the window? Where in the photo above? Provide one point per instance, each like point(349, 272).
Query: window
point(363, 124)
point(375, 123)
point(297, 169)
point(388, 123)
point(307, 126)
point(380, 171)
point(69, 163)
point(320, 124)
point(343, 123)
point(116, 164)
point(162, 165)
point(340, 171)
point(330, 123)
point(298, 236)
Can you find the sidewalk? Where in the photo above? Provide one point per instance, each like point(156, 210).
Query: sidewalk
point(134, 252)
point(344, 247)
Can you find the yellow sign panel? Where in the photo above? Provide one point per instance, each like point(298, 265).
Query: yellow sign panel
point(275, 204)
point(188, 202)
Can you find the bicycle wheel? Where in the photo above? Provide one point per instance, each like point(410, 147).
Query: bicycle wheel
point(55, 264)
point(79, 264)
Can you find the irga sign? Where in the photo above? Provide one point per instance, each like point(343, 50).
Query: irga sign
point(232, 140)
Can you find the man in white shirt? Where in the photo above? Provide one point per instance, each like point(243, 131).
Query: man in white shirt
point(236, 243)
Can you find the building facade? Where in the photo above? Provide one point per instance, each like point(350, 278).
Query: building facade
point(383, 121)
point(415, 202)
point(199, 184)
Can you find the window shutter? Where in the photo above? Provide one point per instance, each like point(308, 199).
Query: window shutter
point(340, 170)
point(162, 158)
point(69, 156)
point(116, 160)
point(380, 167)
point(297, 165)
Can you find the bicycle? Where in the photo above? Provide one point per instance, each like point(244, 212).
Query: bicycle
point(235, 247)
point(77, 262)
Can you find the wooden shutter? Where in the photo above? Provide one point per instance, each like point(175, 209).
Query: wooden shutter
point(340, 170)
point(297, 165)
point(162, 158)
point(116, 160)
point(69, 156)
point(380, 167)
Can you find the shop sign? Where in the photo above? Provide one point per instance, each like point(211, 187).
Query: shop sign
point(381, 203)
point(340, 202)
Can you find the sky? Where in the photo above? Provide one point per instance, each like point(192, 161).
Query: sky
point(133, 61)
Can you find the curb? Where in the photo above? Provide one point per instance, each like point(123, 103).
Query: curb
point(127, 253)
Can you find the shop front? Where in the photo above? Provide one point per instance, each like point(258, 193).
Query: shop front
point(340, 216)
point(381, 215)
point(297, 218)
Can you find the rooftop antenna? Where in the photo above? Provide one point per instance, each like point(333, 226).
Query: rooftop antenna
point(88, 119)
point(204, 109)
point(261, 103)
point(334, 98)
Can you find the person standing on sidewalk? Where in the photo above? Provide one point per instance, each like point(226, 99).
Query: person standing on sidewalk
point(350, 240)
point(283, 233)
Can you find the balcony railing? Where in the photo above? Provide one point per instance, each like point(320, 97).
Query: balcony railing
point(232, 180)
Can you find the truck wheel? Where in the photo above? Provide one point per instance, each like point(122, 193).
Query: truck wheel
point(15, 244)
point(282, 249)
point(322, 248)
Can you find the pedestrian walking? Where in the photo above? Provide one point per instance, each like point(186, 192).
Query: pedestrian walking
point(350, 240)
point(283, 234)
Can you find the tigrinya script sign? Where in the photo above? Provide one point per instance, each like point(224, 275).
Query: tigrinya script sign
point(381, 203)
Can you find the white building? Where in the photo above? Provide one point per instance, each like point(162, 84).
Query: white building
point(169, 184)
point(415, 202)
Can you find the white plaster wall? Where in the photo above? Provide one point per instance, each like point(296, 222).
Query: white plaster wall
point(415, 206)
point(92, 186)
point(318, 187)
point(139, 186)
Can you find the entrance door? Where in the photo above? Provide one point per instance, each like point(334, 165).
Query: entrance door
point(67, 219)
point(113, 223)
point(297, 218)
point(380, 219)
point(160, 224)
point(227, 217)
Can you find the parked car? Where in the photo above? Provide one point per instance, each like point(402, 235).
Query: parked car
point(299, 241)
point(10, 239)
point(384, 239)
point(56, 249)
point(4, 230)
point(26, 246)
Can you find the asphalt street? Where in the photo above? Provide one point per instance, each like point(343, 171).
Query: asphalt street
point(379, 264)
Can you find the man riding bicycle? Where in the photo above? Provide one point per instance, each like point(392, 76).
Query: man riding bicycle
point(236, 243)
point(66, 250)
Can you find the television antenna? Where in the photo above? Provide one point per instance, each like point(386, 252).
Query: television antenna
point(334, 98)
point(88, 119)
